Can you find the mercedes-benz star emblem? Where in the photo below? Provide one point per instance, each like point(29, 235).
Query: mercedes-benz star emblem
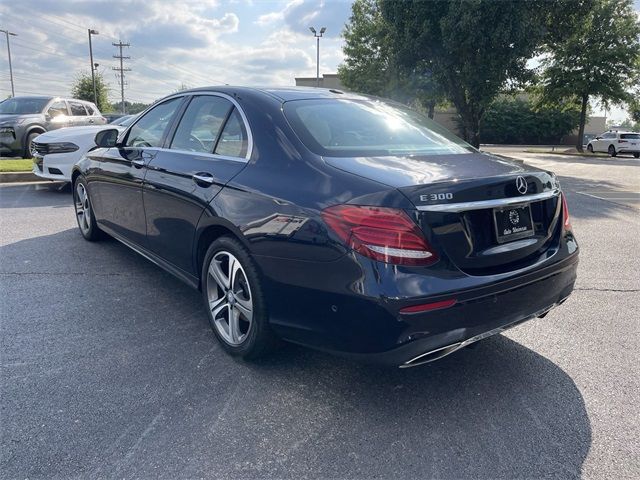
point(521, 185)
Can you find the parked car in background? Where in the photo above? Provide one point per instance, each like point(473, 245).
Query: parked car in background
point(614, 143)
point(24, 118)
point(56, 152)
point(112, 117)
point(343, 222)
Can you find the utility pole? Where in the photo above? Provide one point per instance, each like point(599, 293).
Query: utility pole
point(7, 33)
point(121, 70)
point(93, 75)
point(315, 34)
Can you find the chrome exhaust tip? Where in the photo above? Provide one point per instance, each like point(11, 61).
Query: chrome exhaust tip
point(432, 355)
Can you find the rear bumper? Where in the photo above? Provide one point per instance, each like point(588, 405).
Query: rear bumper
point(370, 327)
point(439, 333)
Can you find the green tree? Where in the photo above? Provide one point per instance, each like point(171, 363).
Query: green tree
point(370, 64)
point(130, 107)
point(519, 121)
point(477, 49)
point(599, 60)
point(82, 89)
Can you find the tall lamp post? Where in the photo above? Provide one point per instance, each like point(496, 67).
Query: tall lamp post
point(318, 35)
point(93, 75)
point(7, 33)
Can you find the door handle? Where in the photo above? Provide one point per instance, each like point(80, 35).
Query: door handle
point(90, 120)
point(138, 163)
point(203, 178)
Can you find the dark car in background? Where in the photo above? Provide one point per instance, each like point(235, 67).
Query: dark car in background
point(342, 222)
point(22, 119)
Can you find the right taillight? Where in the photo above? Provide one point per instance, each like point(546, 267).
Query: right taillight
point(565, 214)
point(384, 234)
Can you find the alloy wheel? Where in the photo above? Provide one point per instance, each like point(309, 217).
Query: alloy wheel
point(229, 296)
point(83, 208)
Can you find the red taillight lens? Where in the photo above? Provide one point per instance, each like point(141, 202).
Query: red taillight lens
point(565, 214)
point(384, 234)
point(427, 307)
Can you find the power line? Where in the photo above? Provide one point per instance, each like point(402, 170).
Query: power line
point(122, 69)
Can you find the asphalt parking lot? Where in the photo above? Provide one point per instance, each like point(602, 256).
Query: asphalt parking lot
point(109, 368)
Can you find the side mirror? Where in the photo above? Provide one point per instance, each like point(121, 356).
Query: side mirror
point(107, 138)
point(598, 138)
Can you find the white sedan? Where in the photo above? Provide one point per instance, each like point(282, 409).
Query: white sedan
point(57, 151)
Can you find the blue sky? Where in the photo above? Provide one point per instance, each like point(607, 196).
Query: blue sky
point(249, 42)
point(195, 43)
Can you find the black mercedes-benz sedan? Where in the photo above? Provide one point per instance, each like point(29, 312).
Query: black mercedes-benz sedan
point(338, 221)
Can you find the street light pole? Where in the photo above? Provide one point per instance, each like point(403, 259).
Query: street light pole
point(318, 35)
point(93, 75)
point(7, 33)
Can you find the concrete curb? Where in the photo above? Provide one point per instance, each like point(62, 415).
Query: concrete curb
point(13, 177)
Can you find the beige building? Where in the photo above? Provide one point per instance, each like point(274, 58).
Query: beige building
point(327, 80)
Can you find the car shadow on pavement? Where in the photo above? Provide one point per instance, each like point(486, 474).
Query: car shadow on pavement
point(109, 368)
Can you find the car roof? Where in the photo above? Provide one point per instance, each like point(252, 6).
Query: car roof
point(283, 94)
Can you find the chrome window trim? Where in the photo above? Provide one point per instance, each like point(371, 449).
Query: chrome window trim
point(482, 204)
point(213, 156)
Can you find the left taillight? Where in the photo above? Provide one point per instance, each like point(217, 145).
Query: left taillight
point(384, 234)
point(565, 214)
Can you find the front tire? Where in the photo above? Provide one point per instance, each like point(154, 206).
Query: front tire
point(84, 211)
point(590, 148)
point(234, 298)
point(636, 155)
point(612, 151)
point(26, 149)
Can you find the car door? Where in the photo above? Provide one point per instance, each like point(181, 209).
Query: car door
point(94, 117)
point(122, 169)
point(57, 115)
point(209, 146)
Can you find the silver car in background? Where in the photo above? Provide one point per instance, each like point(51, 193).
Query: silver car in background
point(22, 119)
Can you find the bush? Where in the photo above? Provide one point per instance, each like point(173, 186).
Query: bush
point(517, 121)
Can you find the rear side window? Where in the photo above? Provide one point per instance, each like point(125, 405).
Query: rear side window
point(351, 128)
point(233, 141)
point(630, 136)
point(57, 108)
point(201, 123)
point(77, 109)
point(150, 129)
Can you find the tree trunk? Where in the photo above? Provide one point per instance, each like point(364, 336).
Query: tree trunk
point(583, 120)
point(432, 108)
point(472, 129)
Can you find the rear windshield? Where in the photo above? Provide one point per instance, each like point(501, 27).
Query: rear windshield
point(23, 105)
point(353, 128)
point(632, 136)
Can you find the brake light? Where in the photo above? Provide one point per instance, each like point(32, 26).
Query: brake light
point(384, 234)
point(565, 214)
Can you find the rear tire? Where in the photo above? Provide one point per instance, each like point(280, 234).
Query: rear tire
point(612, 151)
point(233, 296)
point(84, 211)
point(636, 155)
point(26, 149)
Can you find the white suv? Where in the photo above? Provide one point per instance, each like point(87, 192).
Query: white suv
point(614, 143)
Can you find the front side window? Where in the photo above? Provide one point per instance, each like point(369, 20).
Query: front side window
point(57, 109)
point(200, 125)
point(23, 105)
point(351, 128)
point(149, 131)
point(233, 141)
point(77, 109)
